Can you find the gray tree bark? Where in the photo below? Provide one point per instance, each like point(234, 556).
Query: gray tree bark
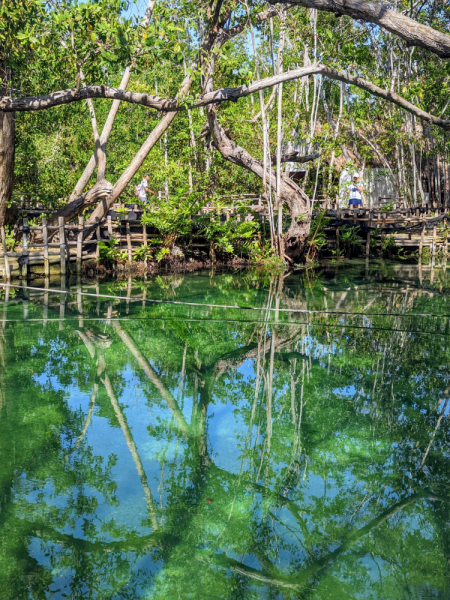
point(413, 32)
point(168, 105)
point(7, 148)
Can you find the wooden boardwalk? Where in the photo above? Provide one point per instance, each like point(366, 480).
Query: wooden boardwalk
point(414, 228)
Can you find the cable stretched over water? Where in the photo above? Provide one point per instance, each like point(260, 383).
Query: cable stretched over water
point(190, 320)
point(227, 306)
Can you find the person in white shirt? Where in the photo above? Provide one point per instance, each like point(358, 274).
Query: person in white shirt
point(355, 192)
point(143, 189)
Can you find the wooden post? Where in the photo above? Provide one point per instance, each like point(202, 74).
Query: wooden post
point(45, 241)
point(446, 238)
point(109, 225)
point(98, 236)
point(80, 305)
point(45, 312)
point(62, 307)
point(422, 238)
point(145, 242)
point(25, 248)
point(368, 243)
point(25, 304)
point(80, 244)
point(144, 235)
point(337, 239)
point(5, 255)
point(130, 250)
point(97, 292)
point(108, 314)
point(129, 288)
point(62, 245)
point(5, 306)
point(433, 243)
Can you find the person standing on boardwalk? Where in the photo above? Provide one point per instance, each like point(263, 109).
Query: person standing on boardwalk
point(355, 192)
point(143, 188)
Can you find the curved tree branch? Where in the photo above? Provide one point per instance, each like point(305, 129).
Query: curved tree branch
point(291, 194)
point(100, 190)
point(8, 104)
point(413, 32)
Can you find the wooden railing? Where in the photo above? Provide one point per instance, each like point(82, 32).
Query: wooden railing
point(405, 217)
point(77, 243)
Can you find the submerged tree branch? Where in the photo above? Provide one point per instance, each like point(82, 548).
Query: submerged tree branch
point(314, 570)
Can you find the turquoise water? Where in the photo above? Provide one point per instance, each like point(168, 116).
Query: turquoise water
point(164, 450)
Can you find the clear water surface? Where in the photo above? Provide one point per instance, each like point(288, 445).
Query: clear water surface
point(178, 451)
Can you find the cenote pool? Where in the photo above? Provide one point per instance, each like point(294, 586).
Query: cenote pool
point(189, 451)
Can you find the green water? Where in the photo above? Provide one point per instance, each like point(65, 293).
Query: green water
point(173, 451)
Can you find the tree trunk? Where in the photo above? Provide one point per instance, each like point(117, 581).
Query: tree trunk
point(90, 167)
point(291, 195)
point(7, 149)
point(280, 137)
point(262, 113)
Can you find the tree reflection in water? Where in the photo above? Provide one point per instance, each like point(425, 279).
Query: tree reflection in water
point(173, 451)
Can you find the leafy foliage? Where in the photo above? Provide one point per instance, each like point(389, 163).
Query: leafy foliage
point(109, 253)
point(172, 217)
point(233, 236)
point(350, 239)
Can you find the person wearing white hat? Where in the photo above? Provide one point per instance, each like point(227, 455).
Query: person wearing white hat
point(355, 192)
